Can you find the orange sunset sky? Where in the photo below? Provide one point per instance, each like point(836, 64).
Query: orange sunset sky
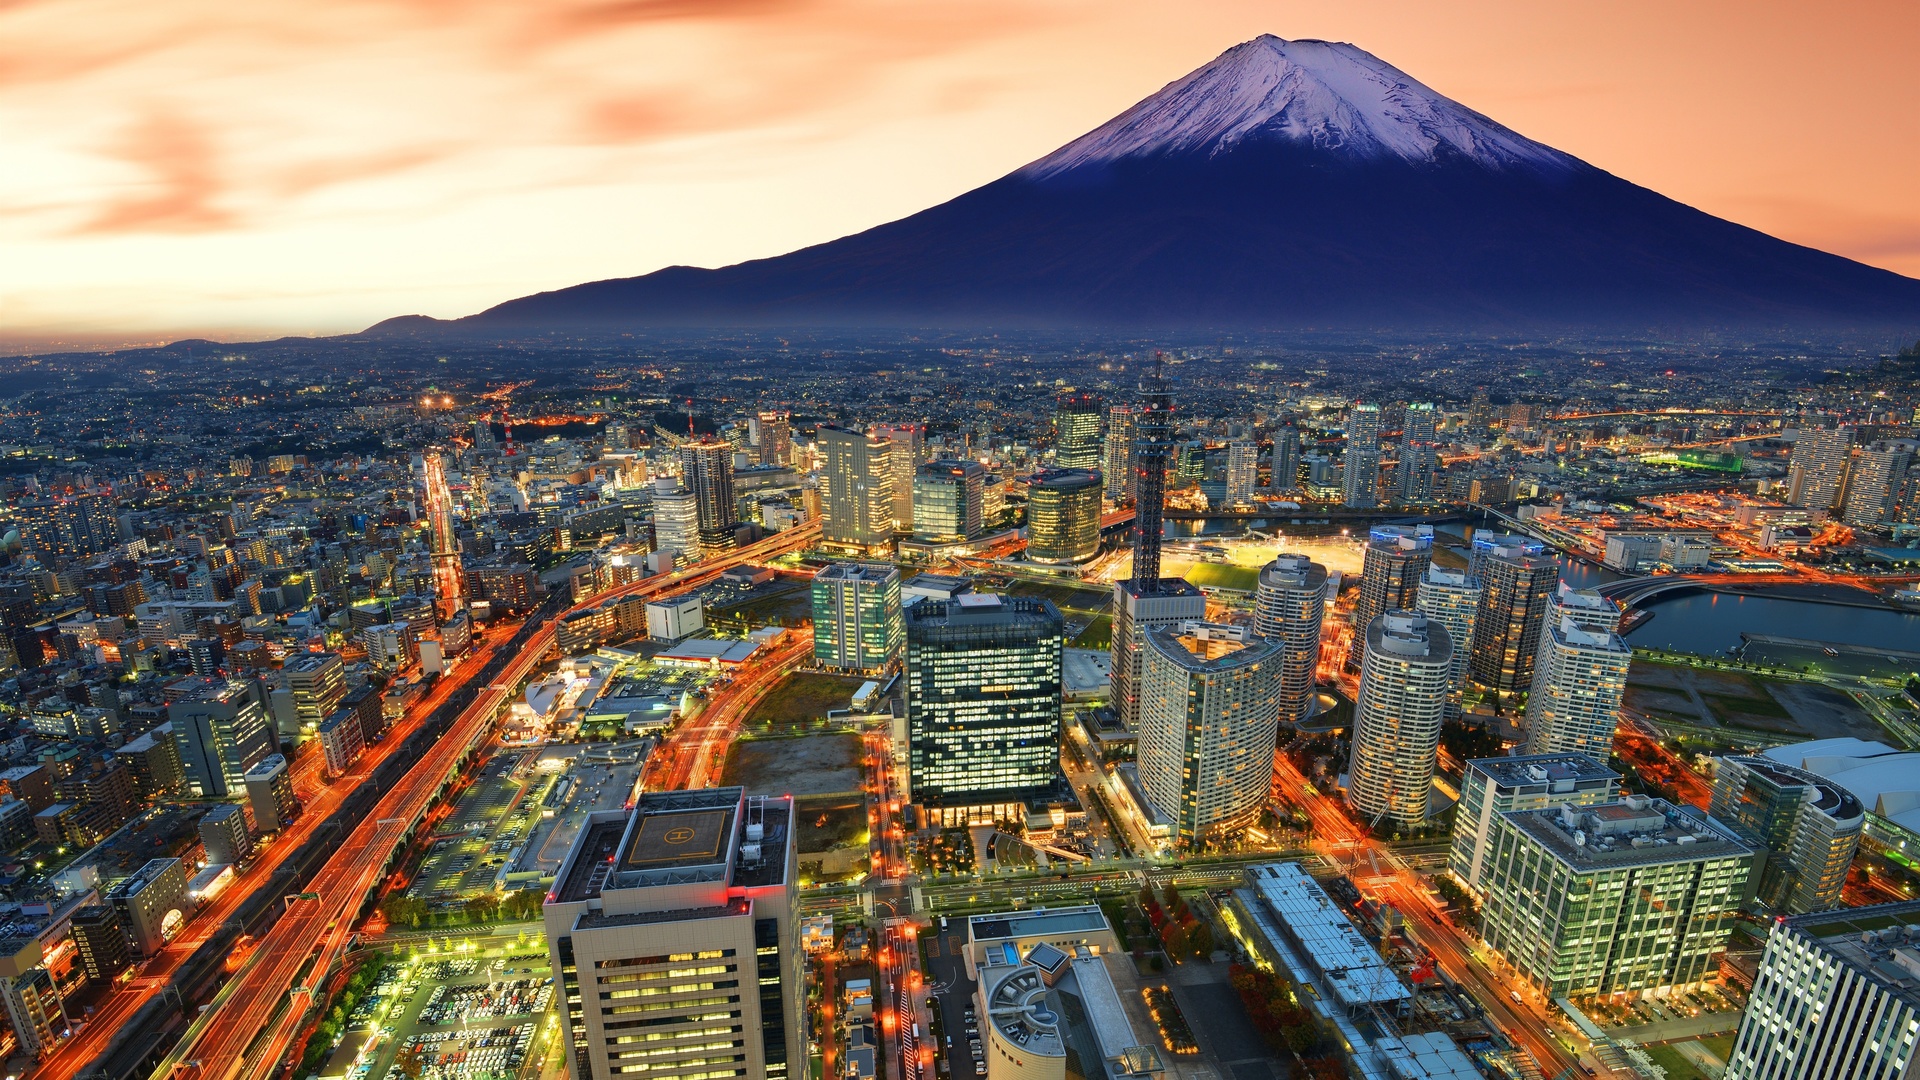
point(299, 166)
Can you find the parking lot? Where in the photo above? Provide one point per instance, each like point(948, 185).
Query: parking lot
point(580, 780)
point(488, 827)
point(466, 1016)
point(952, 993)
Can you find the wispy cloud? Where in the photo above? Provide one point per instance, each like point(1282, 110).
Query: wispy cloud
point(182, 186)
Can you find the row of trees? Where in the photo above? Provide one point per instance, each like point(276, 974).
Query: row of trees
point(1286, 1026)
point(411, 911)
point(320, 1043)
point(1181, 933)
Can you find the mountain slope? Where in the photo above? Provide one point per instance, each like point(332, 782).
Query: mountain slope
point(1283, 185)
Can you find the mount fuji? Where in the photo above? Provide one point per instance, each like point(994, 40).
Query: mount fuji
point(1284, 185)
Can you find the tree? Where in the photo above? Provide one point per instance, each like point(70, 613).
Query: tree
point(1173, 937)
point(1200, 938)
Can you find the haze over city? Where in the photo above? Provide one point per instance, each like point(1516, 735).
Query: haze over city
point(803, 539)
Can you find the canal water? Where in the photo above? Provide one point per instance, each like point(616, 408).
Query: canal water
point(1703, 623)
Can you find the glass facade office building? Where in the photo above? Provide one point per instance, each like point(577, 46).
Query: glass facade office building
point(983, 698)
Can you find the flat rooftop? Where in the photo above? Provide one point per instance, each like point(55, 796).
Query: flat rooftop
point(1544, 771)
point(693, 837)
point(1636, 831)
point(1891, 958)
point(679, 836)
point(1346, 962)
point(1045, 922)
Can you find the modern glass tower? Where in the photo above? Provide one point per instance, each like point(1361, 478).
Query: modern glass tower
point(706, 468)
point(1119, 453)
point(1490, 787)
point(1063, 516)
point(856, 490)
point(949, 500)
point(1620, 898)
point(1288, 608)
point(1361, 476)
point(983, 700)
point(856, 616)
point(1834, 1002)
point(1076, 431)
point(1419, 455)
point(1397, 555)
point(1519, 577)
point(1807, 828)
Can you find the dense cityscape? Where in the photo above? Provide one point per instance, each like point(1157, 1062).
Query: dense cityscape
point(403, 707)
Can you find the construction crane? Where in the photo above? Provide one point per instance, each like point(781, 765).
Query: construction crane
point(449, 586)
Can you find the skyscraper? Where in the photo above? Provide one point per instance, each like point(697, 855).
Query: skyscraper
point(1119, 453)
point(1389, 578)
point(1286, 457)
point(1419, 455)
point(906, 449)
point(1243, 472)
point(1397, 717)
point(221, 731)
point(317, 683)
point(1578, 681)
point(1452, 599)
point(1208, 717)
point(856, 491)
point(1146, 599)
point(983, 704)
point(1519, 577)
point(1817, 470)
point(706, 468)
point(949, 500)
point(1076, 431)
point(1832, 1001)
point(1587, 608)
point(776, 437)
point(1874, 487)
point(676, 520)
point(672, 933)
point(1806, 829)
point(1617, 898)
point(1288, 608)
point(1361, 476)
point(856, 616)
point(1063, 516)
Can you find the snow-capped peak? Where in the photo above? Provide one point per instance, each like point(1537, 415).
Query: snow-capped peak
point(1332, 95)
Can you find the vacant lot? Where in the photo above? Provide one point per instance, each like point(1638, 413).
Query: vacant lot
point(827, 764)
point(802, 697)
point(826, 824)
point(1069, 598)
point(788, 606)
point(1736, 699)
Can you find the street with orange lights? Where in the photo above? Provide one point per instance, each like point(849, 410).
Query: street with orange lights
point(1374, 869)
point(319, 800)
point(249, 1027)
point(694, 754)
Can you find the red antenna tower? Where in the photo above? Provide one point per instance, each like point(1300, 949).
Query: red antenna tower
point(506, 421)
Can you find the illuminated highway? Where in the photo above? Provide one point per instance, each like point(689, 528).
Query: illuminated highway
point(248, 1029)
point(694, 754)
point(318, 800)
